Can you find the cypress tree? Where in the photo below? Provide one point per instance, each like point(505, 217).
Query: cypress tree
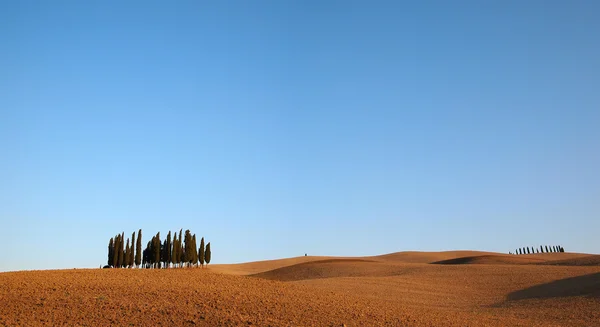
point(174, 253)
point(194, 250)
point(157, 250)
point(168, 249)
point(541, 249)
point(547, 249)
point(127, 255)
point(180, 248)
point(120, 260)
point(528, 250)
point(138, 249)
point(111, 250)
point(163, 253)
point(116, 251)
point(132, 254)
point(201, 252)
point(187, 253)
point(207, 254)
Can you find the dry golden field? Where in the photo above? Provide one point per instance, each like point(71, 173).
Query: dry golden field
point(459, 288)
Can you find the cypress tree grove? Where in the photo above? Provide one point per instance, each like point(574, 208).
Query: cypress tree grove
point(201, 252)
point(138, 249)
point(207, 254)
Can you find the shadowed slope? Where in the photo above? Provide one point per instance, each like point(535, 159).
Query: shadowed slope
point(249, 268)
point(573, 286)
point(426, 257)
point(491, 259)
point(590, 260)
point(334, 268)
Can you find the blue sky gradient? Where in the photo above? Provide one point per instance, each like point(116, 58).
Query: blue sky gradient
point(278, 128)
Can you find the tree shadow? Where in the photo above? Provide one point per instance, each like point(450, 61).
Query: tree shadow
point(586, 285)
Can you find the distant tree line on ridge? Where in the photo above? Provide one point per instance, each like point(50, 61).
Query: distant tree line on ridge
point(548, 249)
point(173, 252)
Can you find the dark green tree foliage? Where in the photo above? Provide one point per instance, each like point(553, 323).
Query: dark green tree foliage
point(149, 254)
point(180, 251)
point(132, 254)
point(194, 250)
point(207, 254)
point(111, 252)
point(138, 249)
point(156, 246)
point(174, 253)
point(116, 252)
point(163, 254)
point(201, 252)
point(187, 254)
point(168, 249)
point(127, 254)
point(120, 262)
point(547, 249)
point(527, 250)
point(541, 249)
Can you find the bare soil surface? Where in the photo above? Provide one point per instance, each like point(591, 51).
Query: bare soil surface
point(391, 290)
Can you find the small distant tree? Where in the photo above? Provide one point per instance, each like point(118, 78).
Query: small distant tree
point(547, 249)
point(528, 250)
point(541, 249)
point(207, 254)
point(562, 249)
point(138, 249)
point(201, 252)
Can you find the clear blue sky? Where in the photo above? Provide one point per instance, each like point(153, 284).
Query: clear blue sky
point(275, 128)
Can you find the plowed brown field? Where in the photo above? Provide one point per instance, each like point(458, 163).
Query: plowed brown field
point(403, 289)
